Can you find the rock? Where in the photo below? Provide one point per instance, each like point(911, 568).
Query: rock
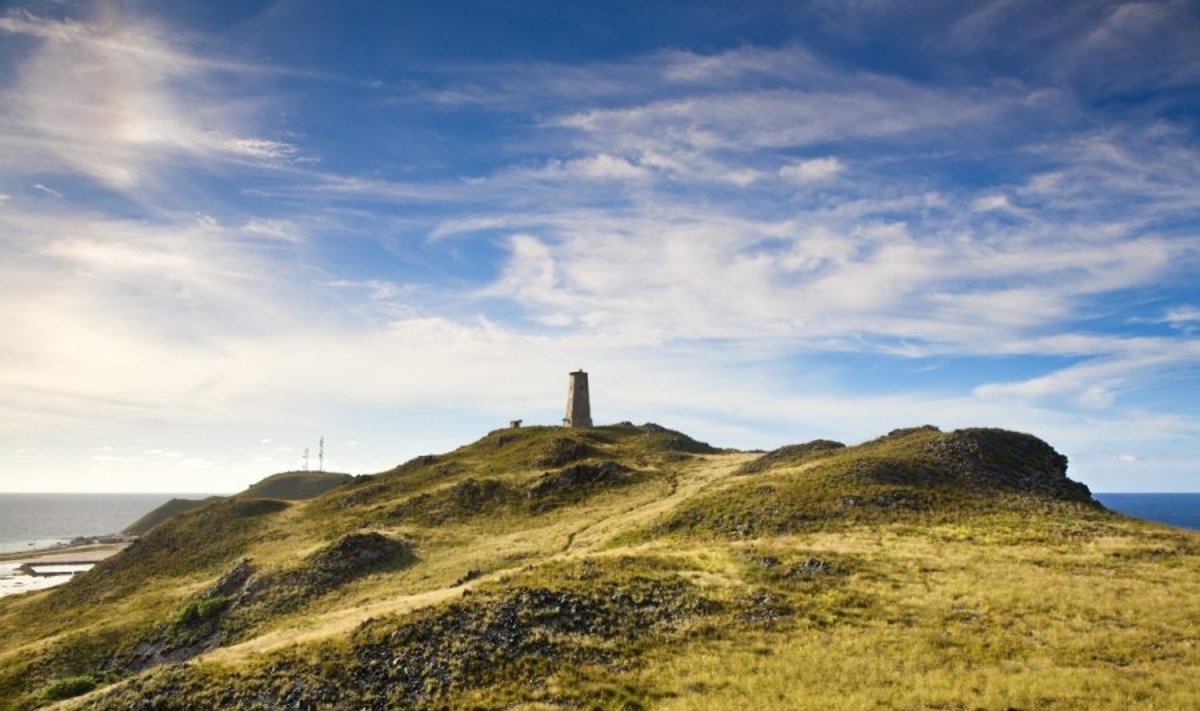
point(1000, 460)
point(561, 451)
point(791, 454)
point(575, 482)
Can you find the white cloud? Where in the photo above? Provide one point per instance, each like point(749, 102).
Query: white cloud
point(49, 191)
point(259, 148)
point(1185, 318)
point(114, 101)
point(283, 230)
point(606, 167)
point(1097, 396)
point(988, 203)
point(813, 171)
point(1095, 383)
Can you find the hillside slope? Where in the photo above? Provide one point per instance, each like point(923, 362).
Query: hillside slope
point(634, 567)
point(297, 485)
point(170, 509)
point(293, 486)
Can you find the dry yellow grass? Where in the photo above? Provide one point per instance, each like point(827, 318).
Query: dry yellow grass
point(1103, 624)
point(1020, 610)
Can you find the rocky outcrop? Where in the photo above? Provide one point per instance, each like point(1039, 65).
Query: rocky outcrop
point(561, 451)
point(659, 438)
point(517, 638)
point(999, 460)
point(461, 501)
point(244, 597)
point(574, 483)
point(791, 454)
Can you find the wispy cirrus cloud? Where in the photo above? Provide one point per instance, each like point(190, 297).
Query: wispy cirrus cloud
point(114, 101)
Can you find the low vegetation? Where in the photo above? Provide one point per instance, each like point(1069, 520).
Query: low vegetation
point(292, 486)
point(171, 509)
point(297, 485)
point(632, 567)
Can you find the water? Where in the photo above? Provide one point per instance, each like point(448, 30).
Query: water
point(1182, 510)
point(33, 521)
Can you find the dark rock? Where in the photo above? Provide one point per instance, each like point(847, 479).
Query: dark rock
point(791, 454)
point(465, 499)
point(764, 609)
point(908, 432)
point(561, 451)
point(240, 597)
point(232, 582)
point(812, 566)
point(470, 575)
point(1000, 460)
point(354, 555)
point(574, 482)
point(664, 439)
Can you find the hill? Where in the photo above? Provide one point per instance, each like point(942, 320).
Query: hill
point(174, 507)
point(629, 567)
point(295, 486)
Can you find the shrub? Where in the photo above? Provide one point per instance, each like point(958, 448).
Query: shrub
point(68, 688)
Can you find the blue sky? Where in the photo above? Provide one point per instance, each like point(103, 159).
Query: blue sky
point(230, 228)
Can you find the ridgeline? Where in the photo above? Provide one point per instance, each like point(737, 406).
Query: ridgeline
point(631, 567)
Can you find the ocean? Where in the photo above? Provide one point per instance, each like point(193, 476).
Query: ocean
point(1182, 510)
point(33, 521)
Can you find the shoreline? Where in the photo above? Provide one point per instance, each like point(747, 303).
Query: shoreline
point(19, 574)
point(89, 552)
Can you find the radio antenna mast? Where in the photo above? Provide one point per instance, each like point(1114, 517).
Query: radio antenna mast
point(321, 455)
point(306, 459)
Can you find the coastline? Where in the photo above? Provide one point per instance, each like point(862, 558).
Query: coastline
point(83, 552)
point(14, 579)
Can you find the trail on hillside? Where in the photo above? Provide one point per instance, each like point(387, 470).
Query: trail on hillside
point(704, 474)
point(707, 473)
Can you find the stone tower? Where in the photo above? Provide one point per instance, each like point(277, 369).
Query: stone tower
point(579, 406)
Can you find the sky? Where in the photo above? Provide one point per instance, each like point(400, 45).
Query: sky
point(231, 228)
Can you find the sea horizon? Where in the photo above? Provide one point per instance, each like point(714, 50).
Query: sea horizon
point(1179, 508)
point(35, 521)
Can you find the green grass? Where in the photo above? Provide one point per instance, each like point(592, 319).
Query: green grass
point(922, 570)
point(172, 508)
point(296, 485)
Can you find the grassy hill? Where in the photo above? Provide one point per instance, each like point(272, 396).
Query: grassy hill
point(295, 486)
point(172, 508)
point(630, 567)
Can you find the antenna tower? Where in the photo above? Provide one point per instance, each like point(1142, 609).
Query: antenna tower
point(321, 456)
point(306, 459)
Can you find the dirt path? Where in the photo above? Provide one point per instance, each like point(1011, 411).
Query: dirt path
point(705, 474)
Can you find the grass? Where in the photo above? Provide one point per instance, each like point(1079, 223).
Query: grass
point(913, 572)
point(969, 625)
point(297, 485)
